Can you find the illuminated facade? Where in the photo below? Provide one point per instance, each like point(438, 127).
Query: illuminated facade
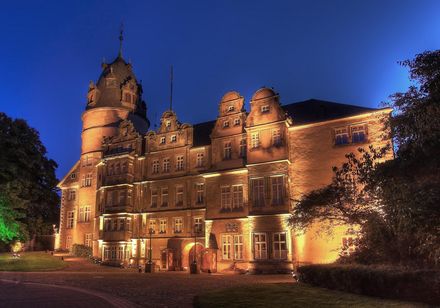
point(225, 185)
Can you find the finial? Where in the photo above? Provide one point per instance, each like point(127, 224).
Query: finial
point(121, 38)
point(171, 88)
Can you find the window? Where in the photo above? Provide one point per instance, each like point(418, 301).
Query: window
point(243, 148)
point(168, 124)
point(276, 137)
point(260, 246)
point(279, 246)
point(120, 253)
point(128, 224)
point(122, 198)
point(124, 167)
point(225, 124)
point(198, 225)
point(237, 196)
point(114, 224)
point(237, 121)
point(265, 109)
point(179, 163)
point(155, 166)
point(73, 176)
point(179, 195)
point(164, 197)
point(153, 197)
point(200, 160)
point(88, 180)
point(163, 226)
point(178, 225)
point(227, 150)
point(225, 198)
point(358, 134)
point(230, 108)
point(127, 97)
point(226, 247)
point(162, 140)
point(200, 192)
point(255, 140)
point(173, 138)
point(166, 165)
point(68, 241)
point(70, 219)
point(341, 136)
point(88, 240)
point(277, 187)
point(71, 195)
point(107, 225)
point(152, 226)
point(121, 224)
point(133, 249)
point(258, 191)
point(87, 161)
point(87, 213)
point(238, 247)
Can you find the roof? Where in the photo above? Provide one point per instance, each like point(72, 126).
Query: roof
point(304, 112)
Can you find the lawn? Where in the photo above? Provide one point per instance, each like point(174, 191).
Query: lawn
point(290, 295)
point(30, 262)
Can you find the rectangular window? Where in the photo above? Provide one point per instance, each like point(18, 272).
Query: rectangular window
point(258, 192)
point(68, 242)
point(179, 195)
point(243, 148)
point(198, 224)
point(152, 226)
point(113, 253)
point(163, 226)
point(173, 138)
point(81, 214)
point(236, 121)
point(277, 187)
point(120, 253)
point(162, 140)
point(238, 247)
point(265, 109)
point(225, 124)
point(255, 140)
point(237, 196)
point(200, 160)
point(227, 150)
point(155, 166)
point(358, 134)
point(122, 197)
point(225, 197)
point(341, 136)
point(70, 219)
point(164, 197)
point(260, 246)
point(178, 225)
point(134, 249)
point(121, 224)
point(227, 247)
point(88, 180)
point(179, 163)
point(276, 137)
point(107, 225)
point(153, 197)
point(87, 213)
point(279, 246)
point(88, 240)
point(166, 165)
point(71, 195)
point(200, 193)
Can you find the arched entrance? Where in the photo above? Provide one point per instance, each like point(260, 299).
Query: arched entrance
point(195, 254)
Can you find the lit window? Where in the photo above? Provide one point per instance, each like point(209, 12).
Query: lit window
point(179, 195)
point(255, 140)
point(152, 225)
point(225, 124)
point(341, 136)
point(164, 197)
point(200, 160)
point(70, 219)
point(88, 240)
point(276, 137)
point(260, 246)
point(358, 134)
point(87, 213)
point(230, 108)
point(88, 180)
point(227, 150)
point(178, 225)
point(168, 124)
point(238, 247)
point(237, 122)
point(237, 196)
point(279, 246)
point(200, 192)
point(227, 247)
point(162, 140)
point(243, 148)
point(198, 224)
point(162, 226)
point(257, 191)
point(173, 138)
point(120, 253)
point(155, 166)
point(166, 165)
point(153, 197)
point(277, 186)
point(179, 163)
point(225, 197)
point(265, 109)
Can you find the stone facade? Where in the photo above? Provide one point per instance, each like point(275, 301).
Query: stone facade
point(217, 193)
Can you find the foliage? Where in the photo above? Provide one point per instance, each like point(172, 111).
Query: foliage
point(81, 251)
point(27, 178)
point(10, 227)
point(385, 282)
point(394, 202)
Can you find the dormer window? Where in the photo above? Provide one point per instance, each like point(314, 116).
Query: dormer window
point(162, 140)
point(168, 124)
point(225, 124)
point(265, 109)
point(230, 108)
point(73, 176)
point(237, 122)
point(173, 138)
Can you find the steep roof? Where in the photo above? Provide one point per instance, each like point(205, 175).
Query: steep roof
point(304, 112)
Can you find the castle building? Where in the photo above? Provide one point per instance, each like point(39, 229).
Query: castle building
point(217, 192)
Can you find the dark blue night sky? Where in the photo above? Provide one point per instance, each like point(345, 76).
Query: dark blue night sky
point(343, 51)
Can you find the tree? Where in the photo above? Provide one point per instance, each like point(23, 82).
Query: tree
point(27, 180)
point(395, 203)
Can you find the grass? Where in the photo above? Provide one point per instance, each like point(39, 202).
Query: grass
point(290, 295)
point(30, 262)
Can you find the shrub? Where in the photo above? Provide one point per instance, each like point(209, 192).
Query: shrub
point(386, 282)
point(81, 251)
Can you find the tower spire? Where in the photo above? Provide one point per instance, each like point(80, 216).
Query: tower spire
point(171, 88)
point(121, 38)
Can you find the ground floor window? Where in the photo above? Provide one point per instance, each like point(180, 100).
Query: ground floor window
point(226, 247)
point(120, 253)
point(88, 240)
point(279, 245)
point(260, 246)
point(238, 247)
point(68, 241)
point(232, 247)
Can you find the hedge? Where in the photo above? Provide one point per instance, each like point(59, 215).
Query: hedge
point(81, 251)
point(385, 282)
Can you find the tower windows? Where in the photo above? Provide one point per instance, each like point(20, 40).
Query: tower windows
point(162, 140)
point(237, 121)
point(225, 124)
point(173, 138)
point(265, 109)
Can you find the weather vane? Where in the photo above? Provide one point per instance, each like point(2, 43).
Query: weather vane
point(121, 38)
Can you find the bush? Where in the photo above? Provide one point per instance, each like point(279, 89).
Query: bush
point(81, 251)
point(385, 282)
